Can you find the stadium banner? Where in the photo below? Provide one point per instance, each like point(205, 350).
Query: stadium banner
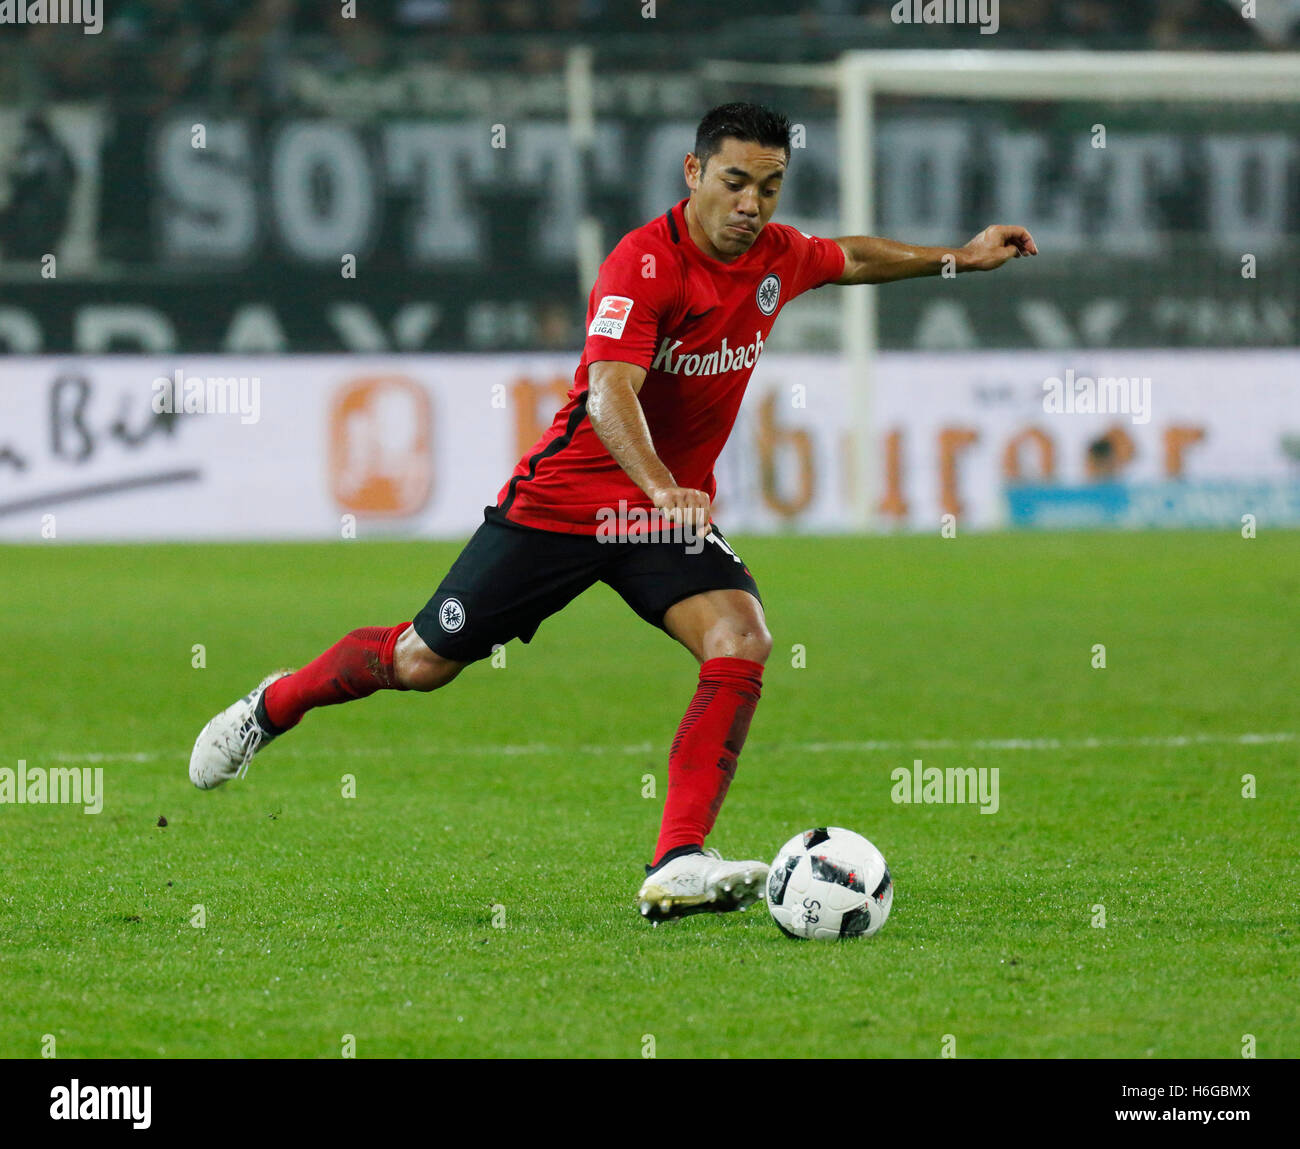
point(1178, 503)
point(320, 447)
point(407, 225)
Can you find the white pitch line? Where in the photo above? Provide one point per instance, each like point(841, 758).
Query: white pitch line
point(1173, 742)
point(1167, 742)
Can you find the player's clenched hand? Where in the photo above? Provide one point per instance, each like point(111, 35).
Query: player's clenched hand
point(995, 245)
point(684, 505)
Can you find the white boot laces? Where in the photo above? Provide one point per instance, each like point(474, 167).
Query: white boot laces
point(250, 738)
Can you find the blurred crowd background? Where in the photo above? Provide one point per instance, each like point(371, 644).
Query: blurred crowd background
point(153, 52)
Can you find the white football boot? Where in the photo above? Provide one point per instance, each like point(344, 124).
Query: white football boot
point(700, 883)
point(226, 745)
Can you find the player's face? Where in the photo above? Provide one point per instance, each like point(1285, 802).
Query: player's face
point(735, 194)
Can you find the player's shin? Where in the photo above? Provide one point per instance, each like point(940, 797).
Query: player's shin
point(356, 666)
point(703, 758)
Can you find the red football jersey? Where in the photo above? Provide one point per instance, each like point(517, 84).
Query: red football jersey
point(697, 325)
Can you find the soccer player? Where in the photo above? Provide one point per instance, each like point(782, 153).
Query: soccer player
point(619, 490)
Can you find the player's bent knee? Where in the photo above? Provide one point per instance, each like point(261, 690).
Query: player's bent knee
point(430, 674)
point(419, 668)
point(736, 638)
point(756, 646)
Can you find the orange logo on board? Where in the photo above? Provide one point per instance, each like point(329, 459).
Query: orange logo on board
point(381, 457)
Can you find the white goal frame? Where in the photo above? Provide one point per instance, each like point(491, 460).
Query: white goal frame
point(860, 76)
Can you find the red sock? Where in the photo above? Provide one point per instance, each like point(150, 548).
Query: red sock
point(703, 758)
point(354, 667)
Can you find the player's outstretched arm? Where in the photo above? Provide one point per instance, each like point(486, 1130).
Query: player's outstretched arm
point(615, 414)
point(871, 259)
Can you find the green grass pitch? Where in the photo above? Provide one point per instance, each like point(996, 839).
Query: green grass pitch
point(521, 787)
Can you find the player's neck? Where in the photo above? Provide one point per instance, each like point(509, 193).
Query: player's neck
point(700, 238)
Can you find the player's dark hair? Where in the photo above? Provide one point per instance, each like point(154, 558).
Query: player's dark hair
point(752, 123)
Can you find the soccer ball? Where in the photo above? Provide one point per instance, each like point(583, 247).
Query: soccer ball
point(829, 883)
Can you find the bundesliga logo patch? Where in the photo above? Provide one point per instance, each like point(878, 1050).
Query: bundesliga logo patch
point(611, 317)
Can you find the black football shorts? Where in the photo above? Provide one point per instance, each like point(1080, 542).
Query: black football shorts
point(509, 578)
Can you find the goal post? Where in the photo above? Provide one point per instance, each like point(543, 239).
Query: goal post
point(860, 77)
point(580, 104)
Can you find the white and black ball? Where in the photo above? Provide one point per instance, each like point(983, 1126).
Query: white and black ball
point(829, 883)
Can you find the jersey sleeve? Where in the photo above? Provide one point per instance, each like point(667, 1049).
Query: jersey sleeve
point(818, 261)
point(627, 306)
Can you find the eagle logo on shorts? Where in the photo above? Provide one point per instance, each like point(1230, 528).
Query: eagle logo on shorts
point(769, 291)
point(451, 616)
